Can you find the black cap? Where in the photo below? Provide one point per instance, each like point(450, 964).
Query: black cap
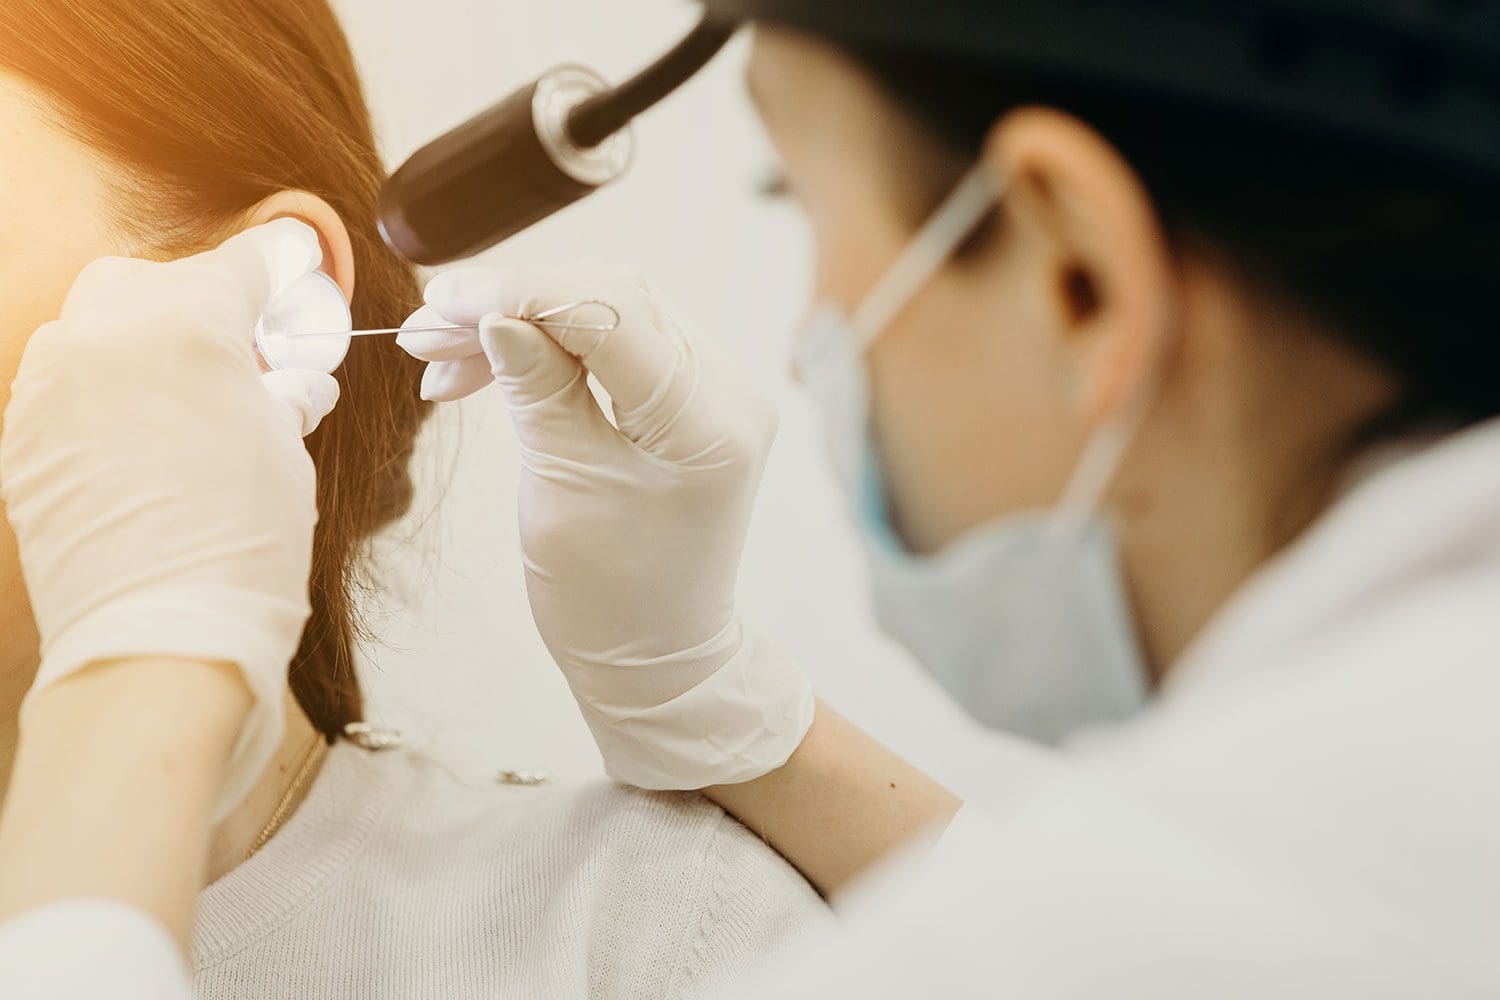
point(1418, 75)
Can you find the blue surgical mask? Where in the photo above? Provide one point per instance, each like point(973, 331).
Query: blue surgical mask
point(1023, 619)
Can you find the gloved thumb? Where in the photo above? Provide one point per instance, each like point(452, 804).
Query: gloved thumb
point(545, 387)
point(306, 397)
point(267, 259)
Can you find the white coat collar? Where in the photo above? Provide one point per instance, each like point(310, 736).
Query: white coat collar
point(1430, 514)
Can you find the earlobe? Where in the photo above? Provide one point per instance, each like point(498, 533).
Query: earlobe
point(333, 235)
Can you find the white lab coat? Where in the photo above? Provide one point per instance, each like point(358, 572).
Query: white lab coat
point(1311, 808)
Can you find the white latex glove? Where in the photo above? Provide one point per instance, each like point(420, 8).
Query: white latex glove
point(632, 538)
point(159, 490)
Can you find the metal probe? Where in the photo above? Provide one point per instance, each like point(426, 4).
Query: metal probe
point(542, 319)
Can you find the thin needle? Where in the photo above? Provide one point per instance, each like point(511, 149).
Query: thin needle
point(554, 324)
point(543, 318)
point(376, 333)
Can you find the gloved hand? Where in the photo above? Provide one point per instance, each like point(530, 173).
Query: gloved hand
point(159, 490)
point(632, 538)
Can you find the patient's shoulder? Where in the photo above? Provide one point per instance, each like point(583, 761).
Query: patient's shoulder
point(667, 886)
point(681, 830)
point(590, 825)
point(687, 870)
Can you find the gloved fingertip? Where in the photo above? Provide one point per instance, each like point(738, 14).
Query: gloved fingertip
point(466, 294)
point(290, 247)
point(298, 233)
point(323, 396)
point(438, 288)
point(436, 344)
point(308, 396)
point(527, 363)
point(433, 389)
point(450, 381)
point(514, 347)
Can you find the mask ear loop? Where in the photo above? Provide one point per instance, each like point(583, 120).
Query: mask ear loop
point(1103, 455)
point(926, 254)
point(1102, 458)
point(922, 257)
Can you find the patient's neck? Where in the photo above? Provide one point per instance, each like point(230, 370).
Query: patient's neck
point(236, 836)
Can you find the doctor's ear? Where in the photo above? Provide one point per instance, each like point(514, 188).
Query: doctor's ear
point(1107, 276)
point(333, 235)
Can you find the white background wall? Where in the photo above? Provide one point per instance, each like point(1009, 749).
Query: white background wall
point(461, 666)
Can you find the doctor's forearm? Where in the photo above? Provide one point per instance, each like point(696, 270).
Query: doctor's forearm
point(114, 787)
point(841, 804)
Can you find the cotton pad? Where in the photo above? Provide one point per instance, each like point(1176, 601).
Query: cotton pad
point(313, 303)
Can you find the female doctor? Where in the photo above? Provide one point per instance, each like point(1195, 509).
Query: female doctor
point(1158, 360)
point(1161, 383)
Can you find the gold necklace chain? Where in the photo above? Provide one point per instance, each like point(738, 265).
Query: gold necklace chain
point(315, 753)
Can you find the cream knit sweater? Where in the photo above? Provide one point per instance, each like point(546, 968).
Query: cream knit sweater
point(396, 879)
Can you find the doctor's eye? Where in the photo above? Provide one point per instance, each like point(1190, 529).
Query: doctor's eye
point(773, 184)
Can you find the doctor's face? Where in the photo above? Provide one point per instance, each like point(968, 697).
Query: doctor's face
point(55, 216)
point(974, 401)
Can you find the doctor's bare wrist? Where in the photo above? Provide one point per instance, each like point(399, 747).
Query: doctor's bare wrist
point(840, 805)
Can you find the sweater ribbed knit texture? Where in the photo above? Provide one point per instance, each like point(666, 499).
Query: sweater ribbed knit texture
point(396, 879)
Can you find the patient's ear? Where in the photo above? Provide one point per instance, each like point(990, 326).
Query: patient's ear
point(338, 252)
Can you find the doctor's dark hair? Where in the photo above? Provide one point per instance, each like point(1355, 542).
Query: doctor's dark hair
point(1396, 254)
point(211, 106)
